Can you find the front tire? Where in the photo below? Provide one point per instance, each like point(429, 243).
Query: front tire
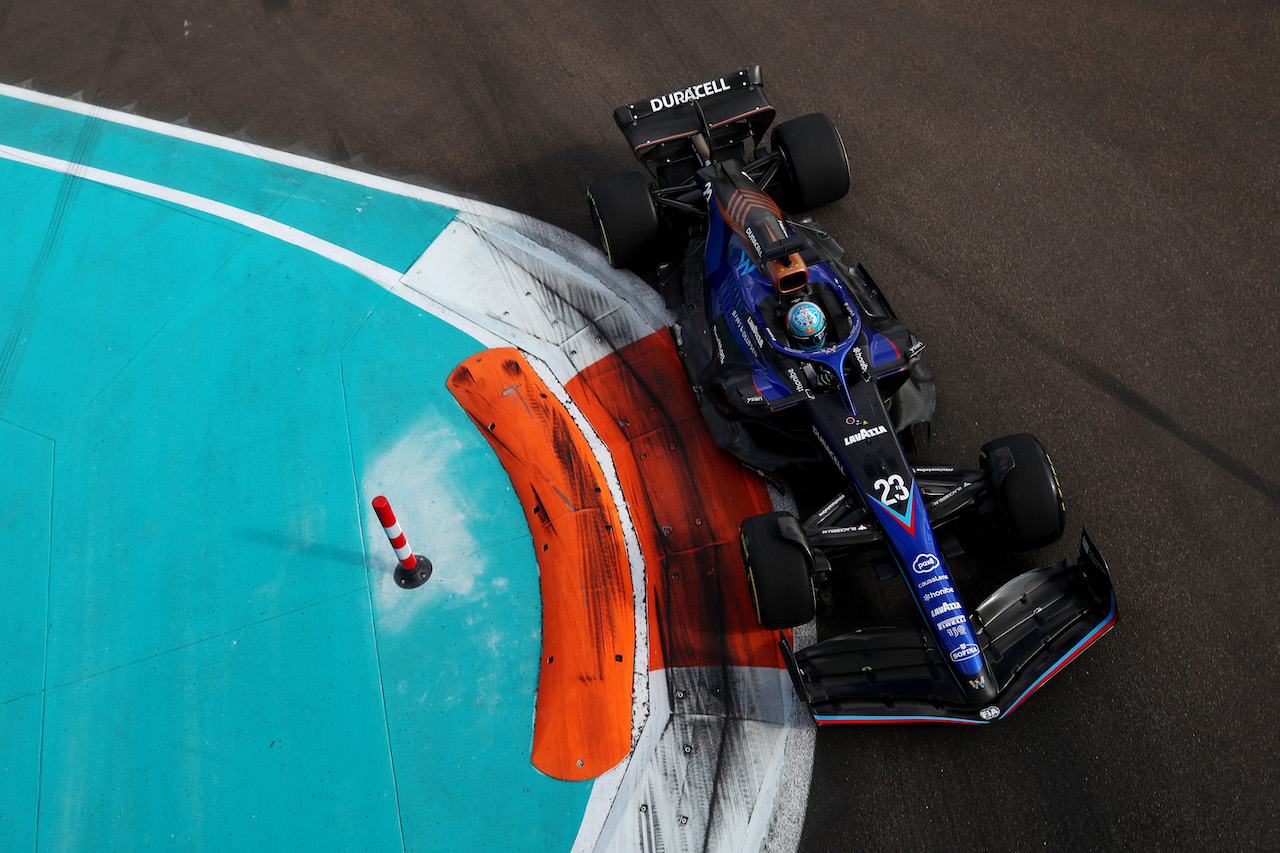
point(777, 573)
point(1032, 512)
point(817, 165)
point(625, 217)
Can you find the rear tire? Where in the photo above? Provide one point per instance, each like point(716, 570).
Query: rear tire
point(625, 217)
point(817, 165)
point(777, 573)
point(1029, 500)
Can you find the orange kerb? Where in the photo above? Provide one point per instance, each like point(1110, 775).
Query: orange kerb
point(687, 499)
point(582, 726)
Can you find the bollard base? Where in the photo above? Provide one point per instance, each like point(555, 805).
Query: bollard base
point(415, 577)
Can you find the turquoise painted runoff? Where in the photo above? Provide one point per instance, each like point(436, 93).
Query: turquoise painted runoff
point(202, 642)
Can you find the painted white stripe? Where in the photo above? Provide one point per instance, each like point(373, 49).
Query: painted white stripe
point(383, 275)
point(404, 553)
point(394, 531)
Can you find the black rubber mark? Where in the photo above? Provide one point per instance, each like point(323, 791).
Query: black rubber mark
point(15, 342)
point(1139, 405)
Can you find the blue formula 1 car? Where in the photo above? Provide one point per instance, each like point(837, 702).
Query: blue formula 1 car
point(803, 372)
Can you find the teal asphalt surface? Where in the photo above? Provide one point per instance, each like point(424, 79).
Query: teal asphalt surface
point(200, 640)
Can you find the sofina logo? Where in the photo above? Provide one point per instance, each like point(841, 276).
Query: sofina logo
point(964, 652)
point(924, 564)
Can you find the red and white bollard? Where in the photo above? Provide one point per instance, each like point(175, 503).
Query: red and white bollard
point(413, 571)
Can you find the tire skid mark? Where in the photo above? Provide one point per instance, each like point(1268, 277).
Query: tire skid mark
point(15, 342)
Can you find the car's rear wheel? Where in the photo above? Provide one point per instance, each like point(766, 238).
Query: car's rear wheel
point(625, 217)
point(777, 573)
point(1031, 509)
point(817, 166)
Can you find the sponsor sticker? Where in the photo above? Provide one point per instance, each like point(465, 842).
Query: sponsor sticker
point(963, 652)
point(864, 434)
point(953, 622)
point(946, 607)
point(989, 713)
point(951, 494)
point(930, 596)
point(827, 447)
point(924, 564)
point(934, 579)
point(742, 329)
point(688, 94)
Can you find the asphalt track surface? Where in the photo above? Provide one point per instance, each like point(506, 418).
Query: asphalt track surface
point(1076, 205)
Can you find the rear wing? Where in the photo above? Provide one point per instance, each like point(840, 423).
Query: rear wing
point(658, 128)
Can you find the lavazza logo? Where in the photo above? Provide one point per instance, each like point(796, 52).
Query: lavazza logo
point(690, 93)
point(864, 434)
point(945, 607)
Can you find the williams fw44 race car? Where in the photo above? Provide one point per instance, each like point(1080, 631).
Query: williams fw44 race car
point(804, 373)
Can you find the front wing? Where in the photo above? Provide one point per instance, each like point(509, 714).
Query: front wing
point(1028, 630)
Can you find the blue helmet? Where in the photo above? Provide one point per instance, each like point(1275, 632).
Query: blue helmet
point(807, 325)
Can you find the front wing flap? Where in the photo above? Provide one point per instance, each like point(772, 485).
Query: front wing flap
point(1028, 630)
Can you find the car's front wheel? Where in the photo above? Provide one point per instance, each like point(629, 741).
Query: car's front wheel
point(777, 573)
point(1032, 512)
point(625, 217)
point(817, 166)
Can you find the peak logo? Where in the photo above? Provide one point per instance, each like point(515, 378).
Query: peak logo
point(925, 563)
point(944, 608)
point(863, 434)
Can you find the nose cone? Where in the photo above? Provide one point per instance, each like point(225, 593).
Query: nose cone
point(979, 688)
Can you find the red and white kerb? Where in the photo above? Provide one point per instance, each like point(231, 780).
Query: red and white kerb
point(396, 536)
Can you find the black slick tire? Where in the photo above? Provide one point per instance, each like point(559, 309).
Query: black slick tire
point(1029, 499)
point(777, 574)
point(625, 217)
point(817, 166)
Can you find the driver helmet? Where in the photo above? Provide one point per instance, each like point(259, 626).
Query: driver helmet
point(807, 326)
